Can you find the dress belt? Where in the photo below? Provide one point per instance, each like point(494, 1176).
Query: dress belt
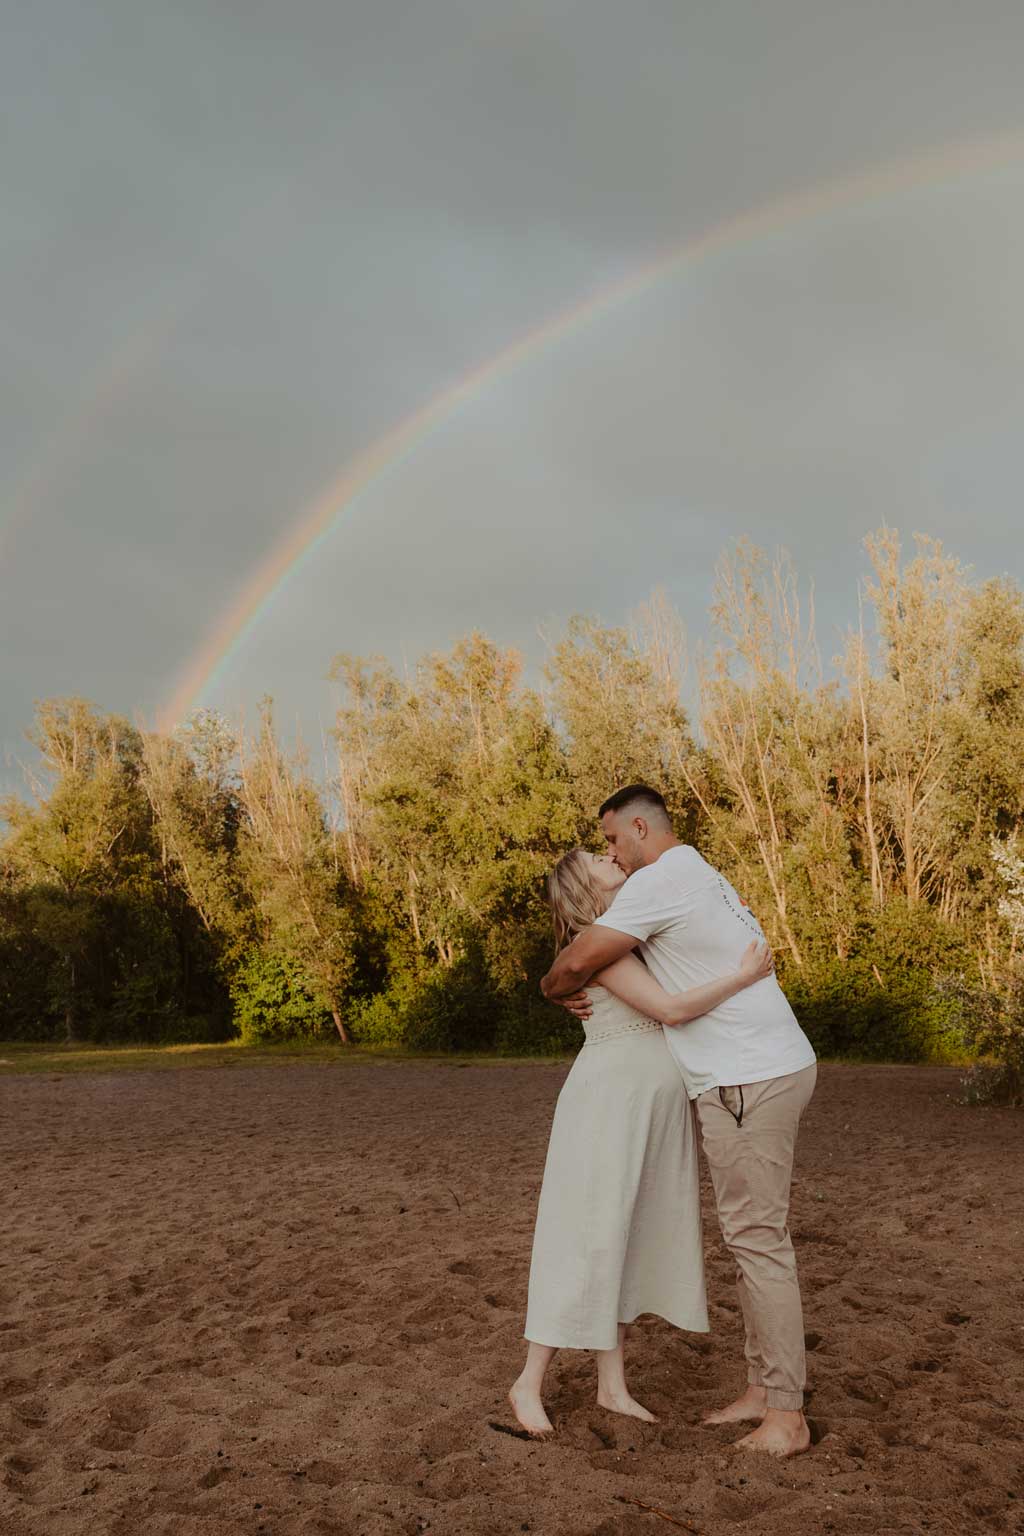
point(641, 1027)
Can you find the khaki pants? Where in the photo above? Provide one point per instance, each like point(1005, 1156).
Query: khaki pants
point(749, 1134)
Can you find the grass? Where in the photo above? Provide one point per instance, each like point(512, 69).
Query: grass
point(46, 1059)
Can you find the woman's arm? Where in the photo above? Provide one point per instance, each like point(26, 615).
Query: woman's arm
point(630, 980)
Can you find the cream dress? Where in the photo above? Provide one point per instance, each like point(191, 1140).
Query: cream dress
point(618, 1225)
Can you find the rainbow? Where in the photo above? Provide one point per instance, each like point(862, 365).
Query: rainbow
point(314, 523)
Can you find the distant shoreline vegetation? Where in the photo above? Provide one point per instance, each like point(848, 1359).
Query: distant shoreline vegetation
point(202, 886)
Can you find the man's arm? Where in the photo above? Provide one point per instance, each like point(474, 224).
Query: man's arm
point(590, 951)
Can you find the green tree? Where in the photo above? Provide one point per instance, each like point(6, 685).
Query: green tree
point(919, 612)
point(191, 782)
point(616, 697)
point(990, 1015)
point(83, 856)
point(987, 775)
point(292, 869)
point(458, 802)
point(774, 791)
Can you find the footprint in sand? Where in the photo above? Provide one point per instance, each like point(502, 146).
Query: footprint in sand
point(333, 1356)
point(326, 1474)
point(111, 1439)
point(455, 1477)
point(30, 1411)
point(129, 1411)
point(302, 1312)
point(166, 1442)
point(871, 1392)
point(15, 1386)
point(93, 1355)
point(214, 1476)
point(735, 1507)
point(17, 1471)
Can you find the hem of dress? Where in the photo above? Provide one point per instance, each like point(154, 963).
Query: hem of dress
point(687, 1327)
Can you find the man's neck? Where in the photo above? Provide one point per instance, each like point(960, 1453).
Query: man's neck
point(656, 846)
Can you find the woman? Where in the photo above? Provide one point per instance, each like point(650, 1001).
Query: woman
point(618, 1224)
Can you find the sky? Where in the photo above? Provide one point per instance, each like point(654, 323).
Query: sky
point(769, 257)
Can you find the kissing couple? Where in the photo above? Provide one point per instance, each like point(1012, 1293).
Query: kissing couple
point(673, 980)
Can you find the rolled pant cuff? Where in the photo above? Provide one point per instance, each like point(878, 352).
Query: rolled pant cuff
point(791, 1402)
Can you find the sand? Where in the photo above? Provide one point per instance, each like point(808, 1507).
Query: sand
point(290, 1301)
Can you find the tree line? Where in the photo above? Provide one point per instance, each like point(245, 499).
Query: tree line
point(207, 882)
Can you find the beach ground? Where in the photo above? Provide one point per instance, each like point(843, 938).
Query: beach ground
point(290, 1302)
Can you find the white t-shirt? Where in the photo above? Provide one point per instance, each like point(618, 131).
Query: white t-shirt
point(694, 929)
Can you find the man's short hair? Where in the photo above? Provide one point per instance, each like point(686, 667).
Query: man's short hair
point(638, 794)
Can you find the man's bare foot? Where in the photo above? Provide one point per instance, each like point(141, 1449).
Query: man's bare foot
point(623, 1403)
point(529, 1410)
point(780, 1433)
point(752, 1405)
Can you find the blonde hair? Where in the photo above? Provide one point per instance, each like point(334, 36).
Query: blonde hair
point(574, 896)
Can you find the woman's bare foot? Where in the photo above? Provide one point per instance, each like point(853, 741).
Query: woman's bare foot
point(529, 1410)
point(752, 1405)
point(621, 1402)
point(780, 1433)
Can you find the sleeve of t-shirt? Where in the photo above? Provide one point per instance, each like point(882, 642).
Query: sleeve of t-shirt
point(643, 906)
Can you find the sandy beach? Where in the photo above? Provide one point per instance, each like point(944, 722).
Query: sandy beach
point(289, 1302)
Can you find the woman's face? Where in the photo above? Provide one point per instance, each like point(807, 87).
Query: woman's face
point(605, 873)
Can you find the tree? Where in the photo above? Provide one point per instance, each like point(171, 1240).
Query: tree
point(293, 871)
point(919, 612)
point(192, 788)
point(615, 694)
point(987, 774)
point(775, 789)
point(84, 843)
point(991, 1016)
point(1010, 868)
point(456, 793)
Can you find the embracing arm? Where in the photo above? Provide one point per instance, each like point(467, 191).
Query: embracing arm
point(590, 951)
point(629, 979)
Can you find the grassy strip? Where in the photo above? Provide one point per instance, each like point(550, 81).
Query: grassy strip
point(18, 1058)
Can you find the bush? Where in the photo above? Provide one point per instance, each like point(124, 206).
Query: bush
point(444, 1009)
point(138, 998)
point(26, 1011)
point(845, 1011)
point(457, 1008)
point(992, 1083)
point(990, 1024)
point(881, 1002)
point(380, 1019)
point(113, 963)
point(272, 1002)
point(529, 1026)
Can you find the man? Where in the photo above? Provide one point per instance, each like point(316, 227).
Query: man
point(748, 1066)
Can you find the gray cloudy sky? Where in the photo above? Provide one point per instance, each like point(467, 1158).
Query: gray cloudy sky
point(240, 240)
